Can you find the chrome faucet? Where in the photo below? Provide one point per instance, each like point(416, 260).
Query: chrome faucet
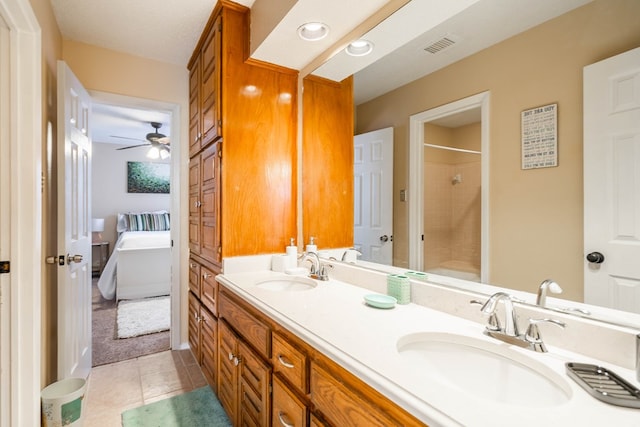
point(510, 321)
point(317, 270)
point(547, 285)
point(531, 340)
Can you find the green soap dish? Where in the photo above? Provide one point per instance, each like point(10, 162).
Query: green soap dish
point(380, 301)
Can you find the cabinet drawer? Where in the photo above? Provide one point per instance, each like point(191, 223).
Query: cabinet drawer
point(290, 362)
point(341, 405)
point(252, 330)
point(288, 410)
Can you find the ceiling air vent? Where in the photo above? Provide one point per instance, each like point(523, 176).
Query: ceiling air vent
point(443, 43)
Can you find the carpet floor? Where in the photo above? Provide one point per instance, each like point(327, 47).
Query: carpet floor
point(107, 348)
point(195, 408)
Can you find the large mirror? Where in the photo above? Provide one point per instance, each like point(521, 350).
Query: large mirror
point(531, 225)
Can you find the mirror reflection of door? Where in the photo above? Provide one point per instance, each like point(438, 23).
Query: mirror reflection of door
point(612, 182)
point(373, 195)
point(452, 196)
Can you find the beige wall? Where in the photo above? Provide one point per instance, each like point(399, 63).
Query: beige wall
point(51, 52)
point(536, 215)
point(101, 70)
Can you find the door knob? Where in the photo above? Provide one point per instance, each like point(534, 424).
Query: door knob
point(73, 258)
point(384, 238)
point(595, 257)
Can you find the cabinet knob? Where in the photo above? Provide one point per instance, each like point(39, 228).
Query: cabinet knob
point(236, 361)
point(230, 356)
point(206, 276)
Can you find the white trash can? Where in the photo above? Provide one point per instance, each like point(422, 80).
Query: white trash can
point(62, 403)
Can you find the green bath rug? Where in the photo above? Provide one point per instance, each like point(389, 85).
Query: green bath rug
point(195, 408)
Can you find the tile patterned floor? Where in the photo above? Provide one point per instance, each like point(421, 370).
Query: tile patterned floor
point(117, 387)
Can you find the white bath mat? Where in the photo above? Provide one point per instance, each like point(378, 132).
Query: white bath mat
point(143, 316)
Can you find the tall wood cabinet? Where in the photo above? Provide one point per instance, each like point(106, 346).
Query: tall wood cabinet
point(242, 165)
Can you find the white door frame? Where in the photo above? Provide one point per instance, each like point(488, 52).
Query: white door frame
point(178, 176)
point(416, 174)
point(25, 188)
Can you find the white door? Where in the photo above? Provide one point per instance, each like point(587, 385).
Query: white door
point(74, 233)
point(612, 182)
point(373, 194)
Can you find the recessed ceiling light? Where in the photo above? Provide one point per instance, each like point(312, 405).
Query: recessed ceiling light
point(312, 31)
point(359, 48)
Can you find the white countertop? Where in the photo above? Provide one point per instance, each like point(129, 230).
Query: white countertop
point(334, 318)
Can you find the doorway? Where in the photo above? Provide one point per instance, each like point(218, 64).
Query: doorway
point(469, 109)
point(142, 109)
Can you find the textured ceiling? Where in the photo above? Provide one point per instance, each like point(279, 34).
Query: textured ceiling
point(165, 30)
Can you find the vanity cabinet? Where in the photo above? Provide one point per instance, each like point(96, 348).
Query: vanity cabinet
point(256, 355)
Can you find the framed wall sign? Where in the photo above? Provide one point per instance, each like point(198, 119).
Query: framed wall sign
point(540, 137)
point(147, 177)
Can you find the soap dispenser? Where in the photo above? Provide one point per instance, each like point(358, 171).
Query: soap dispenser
point(311, 247)
point(292, 254)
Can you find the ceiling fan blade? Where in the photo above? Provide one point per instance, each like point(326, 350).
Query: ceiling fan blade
point(132, 146)
point(126, 137)
point(164, 140)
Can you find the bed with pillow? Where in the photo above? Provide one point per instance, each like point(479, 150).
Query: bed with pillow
point(140, 264)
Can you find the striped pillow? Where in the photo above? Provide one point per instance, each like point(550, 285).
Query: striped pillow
point(148, 221)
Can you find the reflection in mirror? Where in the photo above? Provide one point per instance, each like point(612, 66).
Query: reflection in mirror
point(536, 230)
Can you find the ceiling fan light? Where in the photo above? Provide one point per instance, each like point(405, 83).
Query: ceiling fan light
point(359, 48)
point(312, 31)
point(164, 153)
point(153, 153)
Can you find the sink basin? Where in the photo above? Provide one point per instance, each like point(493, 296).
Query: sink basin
point(486, 370)
point(287, 284)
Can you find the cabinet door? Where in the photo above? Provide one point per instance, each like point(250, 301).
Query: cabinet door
point(209, 289)
point(210, 87)
point(194, 277)
point(194, 326)
point(288, 410)
point(210, 209)
point(209, 346)
point(255, 378)
point(227, 370)
point(195, 74)
point(194, 204)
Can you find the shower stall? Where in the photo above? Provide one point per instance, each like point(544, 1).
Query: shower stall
point(452, 201)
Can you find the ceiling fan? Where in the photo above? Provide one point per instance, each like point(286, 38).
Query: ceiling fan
point(159, 144)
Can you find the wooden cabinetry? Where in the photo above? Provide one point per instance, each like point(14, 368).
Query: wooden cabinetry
point(328, 116)
point(204, 90)
point(308, 389)
point(252, 106)
point(244, 379)
point(204, 204)
point(203, 324)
